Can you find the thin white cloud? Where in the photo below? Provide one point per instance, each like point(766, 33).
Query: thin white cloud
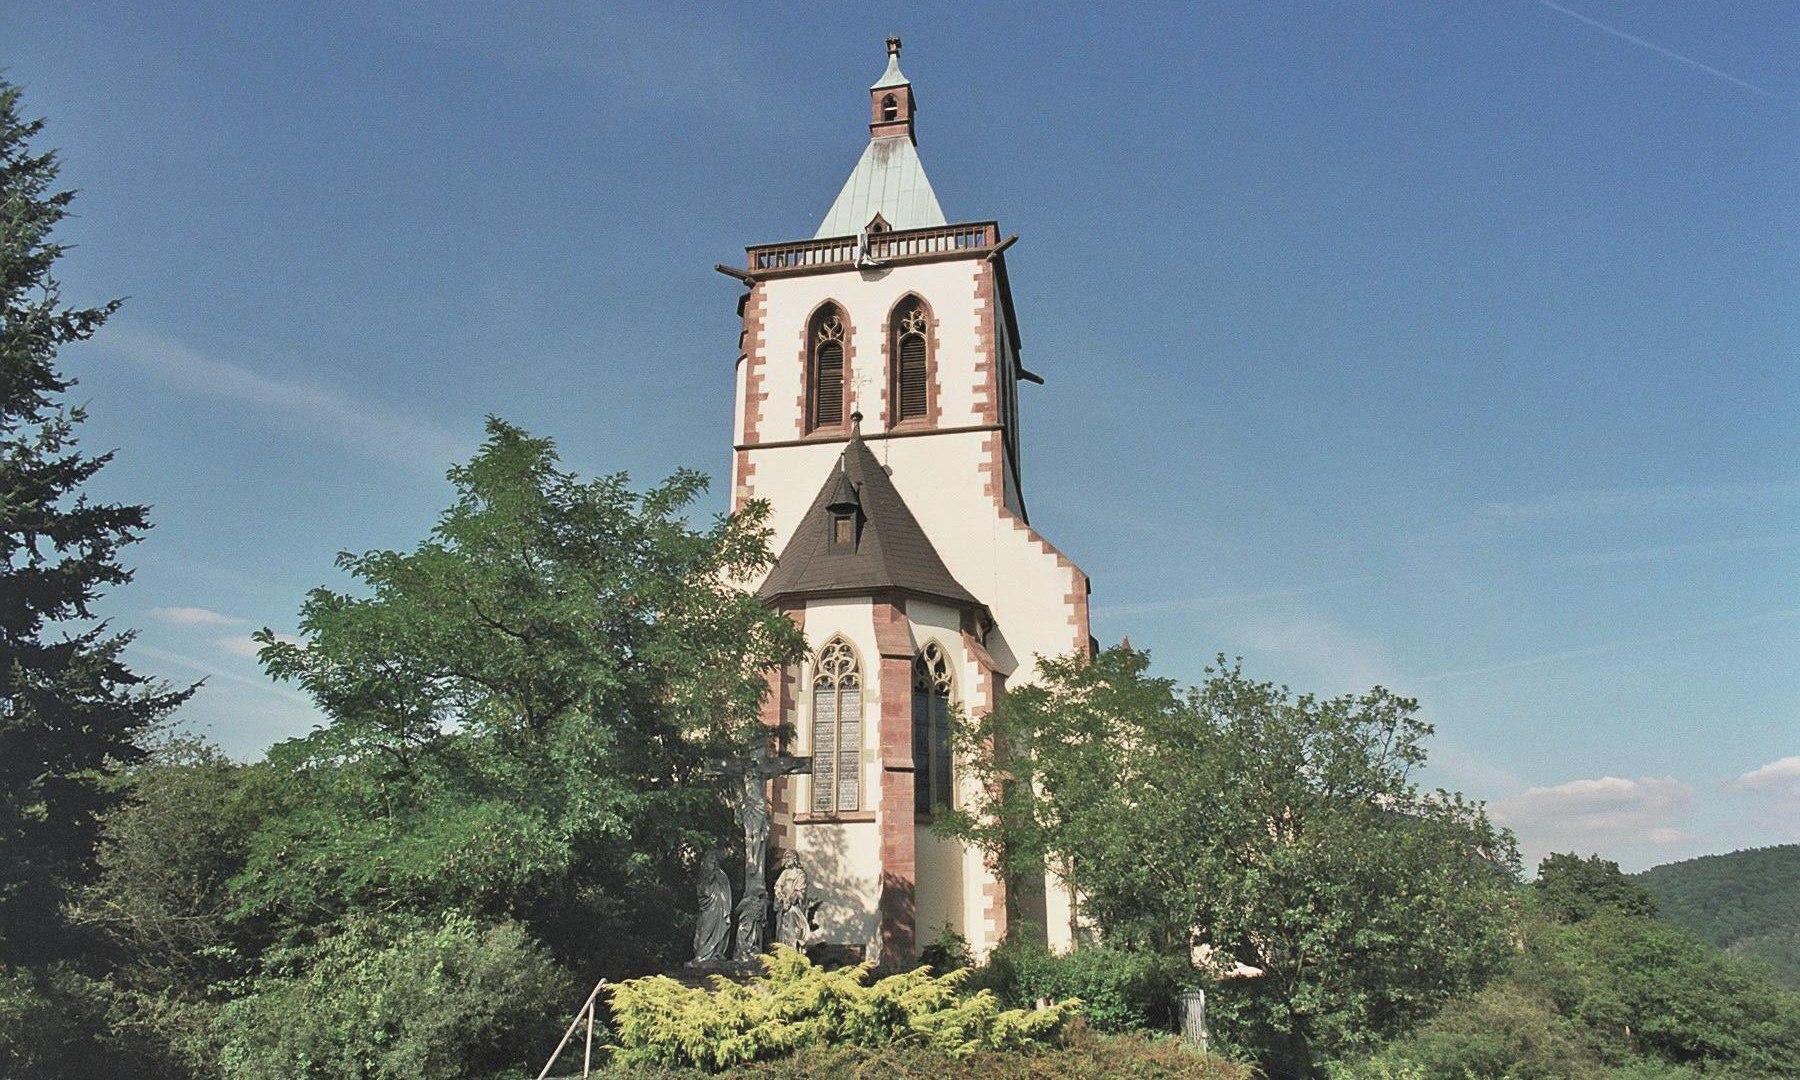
point(192, 616)
point(1466, 772)
point(1598, 812)
point(212, 671)
point(1613, 646)
point(1211, 600)
point(1662, 553)
point(1596, 502)
point(1325, 653)
point(310, 407)
point(248, 647)
point(1661, 51)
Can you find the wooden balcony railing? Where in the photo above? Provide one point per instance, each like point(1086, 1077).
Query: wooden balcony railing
point(843, 251)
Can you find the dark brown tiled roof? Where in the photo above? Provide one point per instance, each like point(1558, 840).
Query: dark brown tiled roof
point(891, 551)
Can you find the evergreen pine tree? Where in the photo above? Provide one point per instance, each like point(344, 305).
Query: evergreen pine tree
point(70, 709)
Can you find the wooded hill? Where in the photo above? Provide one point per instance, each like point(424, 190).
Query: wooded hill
point(1747, 903)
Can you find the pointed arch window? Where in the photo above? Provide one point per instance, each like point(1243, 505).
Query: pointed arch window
point(825, 389)
point(837, 729)
point(932, 691)
point(910, 391)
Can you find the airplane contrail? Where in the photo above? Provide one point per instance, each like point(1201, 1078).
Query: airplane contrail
point(1659, 50)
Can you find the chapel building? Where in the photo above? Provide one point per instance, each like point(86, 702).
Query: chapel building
point(878, 416)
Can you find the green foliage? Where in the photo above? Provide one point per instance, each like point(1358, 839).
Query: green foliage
point(1570, 889)
point(1283, 831)
point(1614, 995)
point(53, 1024)
point(1382, 1066)
point(1643, 988)
point(165, 857)
point(452, 1002)
point(69, 707)
point(1086, 1057)
point(796, 1004)
point(949, 951)
point(1120, 989)
point(521, 712)
point(1747, 902)
point(166, 854)
point(1506, 1032)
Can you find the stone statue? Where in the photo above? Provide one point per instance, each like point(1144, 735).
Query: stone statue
point(712, 931)
point(793, 921)
point(752, 775)
point(752, 926)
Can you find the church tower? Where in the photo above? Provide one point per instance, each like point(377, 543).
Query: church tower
point(878, 416)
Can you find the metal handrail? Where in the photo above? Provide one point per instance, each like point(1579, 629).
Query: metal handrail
point(586, 1012)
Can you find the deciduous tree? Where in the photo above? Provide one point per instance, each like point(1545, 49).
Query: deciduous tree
point(1286, 833)
point(521, 710)
point(1572, 889)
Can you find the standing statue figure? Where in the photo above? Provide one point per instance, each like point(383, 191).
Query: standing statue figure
point(752, 775)
point(793, 925)
point(713, 929)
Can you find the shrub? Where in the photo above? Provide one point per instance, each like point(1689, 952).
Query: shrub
point(950, 952)
point(1503, 1033)
point(796, 1004)
point(52, 1022)
point(1647, 990)
point(1089, 1056)
point(448, 1002)
point(1120, 989)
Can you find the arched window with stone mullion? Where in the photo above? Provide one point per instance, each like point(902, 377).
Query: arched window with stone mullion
point(826, 387)
point(933, 687)
point(909, 390)
point(837, 729)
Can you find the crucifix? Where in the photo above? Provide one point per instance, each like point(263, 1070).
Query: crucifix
point(752, 774)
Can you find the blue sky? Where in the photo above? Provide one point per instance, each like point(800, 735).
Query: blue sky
point(1447, 346)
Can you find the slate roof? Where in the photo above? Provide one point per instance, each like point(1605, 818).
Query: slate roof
point(892, 552)
point(889, 179)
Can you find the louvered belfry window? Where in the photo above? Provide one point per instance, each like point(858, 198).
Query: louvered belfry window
point(932, 685)
point(826, 397)
point(837, 730)
point(911, 371)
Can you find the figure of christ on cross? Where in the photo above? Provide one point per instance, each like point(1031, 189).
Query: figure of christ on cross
point(753, 774)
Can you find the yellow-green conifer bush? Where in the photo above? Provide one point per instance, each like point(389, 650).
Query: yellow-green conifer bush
point(796, 1004)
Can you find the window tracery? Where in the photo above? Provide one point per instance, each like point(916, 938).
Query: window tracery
point(837, 729)
point(825, 381)
point(911, 353)
point(933, 688)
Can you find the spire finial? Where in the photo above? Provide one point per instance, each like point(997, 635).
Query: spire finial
point(856, 424)
point(893, 46)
